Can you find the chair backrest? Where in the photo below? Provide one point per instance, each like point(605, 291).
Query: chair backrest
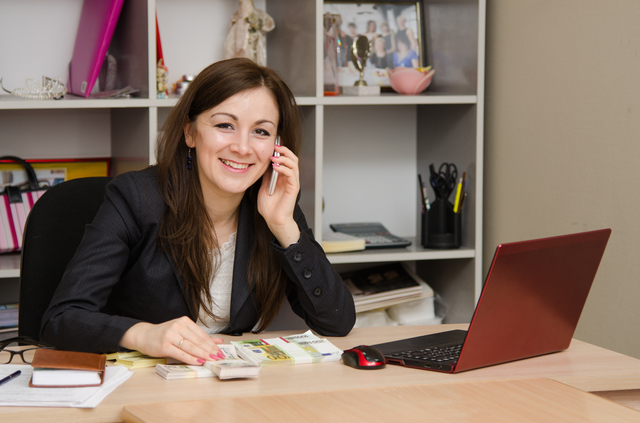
point(52, 233)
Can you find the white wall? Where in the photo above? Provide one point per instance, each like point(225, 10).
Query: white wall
point(563, 142)
point(367, 174)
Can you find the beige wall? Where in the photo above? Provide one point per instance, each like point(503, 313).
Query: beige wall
point(562, 142)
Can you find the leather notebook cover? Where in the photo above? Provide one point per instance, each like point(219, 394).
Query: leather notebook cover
point(68, 360)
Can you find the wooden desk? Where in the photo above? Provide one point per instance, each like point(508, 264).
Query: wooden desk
point(506, 401)
point(583, 366)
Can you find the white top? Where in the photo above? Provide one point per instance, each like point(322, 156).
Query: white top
point(220, 287)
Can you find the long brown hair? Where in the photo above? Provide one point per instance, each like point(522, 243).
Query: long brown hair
point(186, 231)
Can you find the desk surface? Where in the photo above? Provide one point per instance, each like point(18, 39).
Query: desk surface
point(505, 401)
point(583, 366)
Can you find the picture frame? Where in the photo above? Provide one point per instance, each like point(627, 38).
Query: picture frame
point(395, 34)
point(54, 171)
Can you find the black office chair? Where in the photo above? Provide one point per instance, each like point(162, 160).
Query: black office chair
point(52, 233)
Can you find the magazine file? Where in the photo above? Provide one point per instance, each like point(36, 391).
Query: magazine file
point(97, 23)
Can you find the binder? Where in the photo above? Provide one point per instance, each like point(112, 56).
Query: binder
point(98, 20)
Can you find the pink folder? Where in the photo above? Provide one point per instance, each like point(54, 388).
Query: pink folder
point(97, 22)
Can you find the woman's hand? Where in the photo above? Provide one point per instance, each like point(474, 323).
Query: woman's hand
point(180, 338)
point(277, 209)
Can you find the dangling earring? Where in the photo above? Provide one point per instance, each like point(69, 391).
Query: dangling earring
point(189, 159)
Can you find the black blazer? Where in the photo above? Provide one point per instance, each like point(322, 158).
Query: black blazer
point(119, 275)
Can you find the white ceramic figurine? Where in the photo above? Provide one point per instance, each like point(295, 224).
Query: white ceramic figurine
point(247, 35)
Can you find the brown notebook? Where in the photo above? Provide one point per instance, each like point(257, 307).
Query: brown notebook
point(67, 360)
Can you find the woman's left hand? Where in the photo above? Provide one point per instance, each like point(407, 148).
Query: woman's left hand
point(277, 209)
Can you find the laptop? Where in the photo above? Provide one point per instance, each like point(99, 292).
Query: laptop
point(529, 306)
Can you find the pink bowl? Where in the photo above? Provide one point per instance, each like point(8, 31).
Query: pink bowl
point(410, 80)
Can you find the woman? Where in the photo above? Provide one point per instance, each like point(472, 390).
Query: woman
point(371, 31)
point(198, 237)
point(406, 33)
point(380, 58)
point(349, 37)
point(405, 56)
point(389, 37)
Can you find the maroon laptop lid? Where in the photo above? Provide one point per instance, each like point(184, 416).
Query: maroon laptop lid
point(532, 299)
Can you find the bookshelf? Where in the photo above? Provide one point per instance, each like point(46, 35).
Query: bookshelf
point(360, 156)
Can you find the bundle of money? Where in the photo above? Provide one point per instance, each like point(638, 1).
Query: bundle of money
point(181, 371)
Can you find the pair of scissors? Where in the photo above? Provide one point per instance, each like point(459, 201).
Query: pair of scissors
point(449, 175)
point(443, 182)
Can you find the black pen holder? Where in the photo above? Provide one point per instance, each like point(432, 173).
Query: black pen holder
point(441, 227)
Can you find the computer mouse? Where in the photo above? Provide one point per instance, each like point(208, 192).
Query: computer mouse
point(364, 357)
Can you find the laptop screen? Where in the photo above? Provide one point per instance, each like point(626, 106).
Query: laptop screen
point(533, 297)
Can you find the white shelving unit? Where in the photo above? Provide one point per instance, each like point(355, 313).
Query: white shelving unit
point(361, 155)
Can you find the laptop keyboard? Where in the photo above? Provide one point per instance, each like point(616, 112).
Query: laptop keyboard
point(437, 354)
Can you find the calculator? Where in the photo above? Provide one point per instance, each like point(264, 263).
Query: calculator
point(374, 233)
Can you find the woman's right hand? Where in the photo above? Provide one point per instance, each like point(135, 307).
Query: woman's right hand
point(179, 338)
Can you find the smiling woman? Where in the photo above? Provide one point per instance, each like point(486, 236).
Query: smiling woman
point(234, 142)
point(196, 245)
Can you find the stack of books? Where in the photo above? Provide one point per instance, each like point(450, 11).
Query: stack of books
point(383, 286)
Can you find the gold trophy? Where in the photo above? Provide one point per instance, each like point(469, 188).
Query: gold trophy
point(360, 52)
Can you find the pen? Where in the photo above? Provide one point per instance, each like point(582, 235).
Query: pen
point(10, 377)
point(463, 193)
point(464, 197)
point(422, 193)
point(426, 197)
point(458, 195)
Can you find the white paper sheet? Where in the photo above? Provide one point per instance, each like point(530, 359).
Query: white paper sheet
point(18, 392)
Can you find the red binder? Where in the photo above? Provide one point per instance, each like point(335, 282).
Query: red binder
point(97, 22)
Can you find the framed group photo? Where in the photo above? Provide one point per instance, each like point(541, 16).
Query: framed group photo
point(395, 35)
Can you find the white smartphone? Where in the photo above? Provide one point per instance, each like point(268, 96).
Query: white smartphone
point(274, 174)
